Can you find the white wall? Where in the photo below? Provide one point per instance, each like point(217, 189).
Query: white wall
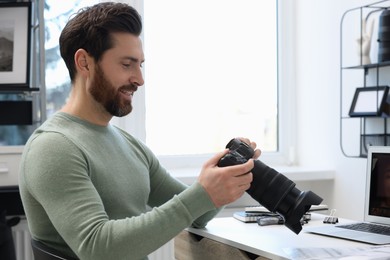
point(318, 90)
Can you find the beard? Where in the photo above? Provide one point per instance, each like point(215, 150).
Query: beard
point(109, 96)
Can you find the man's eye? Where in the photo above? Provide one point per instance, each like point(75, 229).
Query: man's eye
point(126, 65)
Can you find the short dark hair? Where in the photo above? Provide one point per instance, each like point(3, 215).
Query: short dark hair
point(91, 28)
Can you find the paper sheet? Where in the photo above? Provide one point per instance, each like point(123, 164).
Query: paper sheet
point(347, 253)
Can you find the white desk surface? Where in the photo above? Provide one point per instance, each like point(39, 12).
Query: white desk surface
point(269, 241)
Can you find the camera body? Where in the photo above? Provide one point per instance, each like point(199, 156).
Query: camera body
point(271, 189)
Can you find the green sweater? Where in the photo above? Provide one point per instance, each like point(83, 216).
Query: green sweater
point(96, 192)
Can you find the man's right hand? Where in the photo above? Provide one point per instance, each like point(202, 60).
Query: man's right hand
point(225, 184)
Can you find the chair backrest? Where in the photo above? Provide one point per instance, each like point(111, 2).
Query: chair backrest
point(43, 252)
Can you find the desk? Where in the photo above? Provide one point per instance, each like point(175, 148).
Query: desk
point(228, 238)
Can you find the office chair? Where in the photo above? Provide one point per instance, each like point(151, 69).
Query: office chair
point(43, 252)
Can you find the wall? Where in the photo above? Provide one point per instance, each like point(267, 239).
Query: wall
point(318, 90)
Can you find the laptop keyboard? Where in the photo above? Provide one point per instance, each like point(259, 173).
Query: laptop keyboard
point(368, 227)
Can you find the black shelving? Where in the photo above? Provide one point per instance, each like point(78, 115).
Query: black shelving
point(11, 90)
point(354, 126)
point(369, 66)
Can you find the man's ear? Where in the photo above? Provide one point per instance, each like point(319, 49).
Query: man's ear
point(82, 61)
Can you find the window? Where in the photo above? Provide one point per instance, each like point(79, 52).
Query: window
point(57, 79)
point(211, 73)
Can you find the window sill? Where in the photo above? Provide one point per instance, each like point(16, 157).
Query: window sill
point(294, 173)
point(12, 149)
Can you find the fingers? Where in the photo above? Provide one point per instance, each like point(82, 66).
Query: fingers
point(257, 154)
point(230, 189)
point(248, 141)
point(239, 186)
point(226, 184)
point(215, 159)
point(253, 145)
point(244, 181)
point(240, 169)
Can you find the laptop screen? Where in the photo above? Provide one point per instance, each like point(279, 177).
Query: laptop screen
point(377, 205)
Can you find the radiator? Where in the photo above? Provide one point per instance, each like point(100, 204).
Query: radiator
point(165, 252)
point(22, 241)
point(23, 250)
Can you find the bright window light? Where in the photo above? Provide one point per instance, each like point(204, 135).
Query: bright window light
point(210, 74)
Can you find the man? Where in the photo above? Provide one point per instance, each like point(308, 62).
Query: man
point(86, 185)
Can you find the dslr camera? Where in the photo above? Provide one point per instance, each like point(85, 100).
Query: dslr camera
point(271, 189)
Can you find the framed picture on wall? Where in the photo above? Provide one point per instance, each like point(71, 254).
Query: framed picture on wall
point(15, 35)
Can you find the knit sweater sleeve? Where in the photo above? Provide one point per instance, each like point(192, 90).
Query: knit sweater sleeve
point(70, 204)
point(164, 187)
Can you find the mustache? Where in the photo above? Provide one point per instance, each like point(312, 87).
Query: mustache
point(130, 87)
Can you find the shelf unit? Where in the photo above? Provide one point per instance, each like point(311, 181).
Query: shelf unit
point(355, 24)
point(35, 91)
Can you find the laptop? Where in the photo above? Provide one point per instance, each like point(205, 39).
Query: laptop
point(376, 207)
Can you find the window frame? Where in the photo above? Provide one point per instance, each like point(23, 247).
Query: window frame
point(285, 156)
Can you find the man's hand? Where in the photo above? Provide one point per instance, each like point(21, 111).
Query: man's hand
point(227, 184)
point(253, 145)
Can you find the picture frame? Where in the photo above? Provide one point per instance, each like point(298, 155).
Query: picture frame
point(15, 44)
point(370, 101)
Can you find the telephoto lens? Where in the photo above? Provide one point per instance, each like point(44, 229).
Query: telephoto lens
point(271, 189)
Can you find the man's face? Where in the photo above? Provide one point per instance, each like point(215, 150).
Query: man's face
point(118, 75)
point(113, 99)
